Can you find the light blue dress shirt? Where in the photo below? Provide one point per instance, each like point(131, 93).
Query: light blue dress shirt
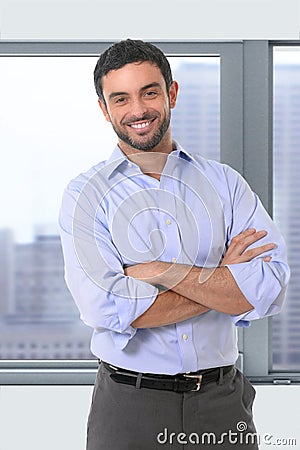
point(114, 215)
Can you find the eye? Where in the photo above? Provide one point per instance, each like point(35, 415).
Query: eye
point(150, 94)
point(120, 100)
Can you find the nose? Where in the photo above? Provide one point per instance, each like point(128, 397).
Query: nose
point(138, 107)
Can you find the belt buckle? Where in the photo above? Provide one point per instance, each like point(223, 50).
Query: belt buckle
point(197, 377)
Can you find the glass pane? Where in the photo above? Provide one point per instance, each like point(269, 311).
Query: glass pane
point(196, 118)
point(286, 329)
point(51, 129)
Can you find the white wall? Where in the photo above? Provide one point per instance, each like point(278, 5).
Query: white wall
point(43, 417)
point(54, 417)
point(149, 19)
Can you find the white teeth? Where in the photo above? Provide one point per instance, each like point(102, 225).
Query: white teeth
point(140, 125)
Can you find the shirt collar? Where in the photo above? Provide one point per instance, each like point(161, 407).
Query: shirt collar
point(114, 161)
point(181, 152)
point(118, 158)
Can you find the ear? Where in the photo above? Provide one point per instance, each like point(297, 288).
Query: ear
point(104, 110)
point(173, 94)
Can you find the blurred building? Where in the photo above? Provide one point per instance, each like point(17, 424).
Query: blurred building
point(286, 330)
point(39, 319)
point(196, 118)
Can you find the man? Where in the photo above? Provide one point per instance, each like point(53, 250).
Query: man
point(163, 260)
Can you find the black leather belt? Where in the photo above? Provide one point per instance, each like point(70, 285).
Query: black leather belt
point(182, 382)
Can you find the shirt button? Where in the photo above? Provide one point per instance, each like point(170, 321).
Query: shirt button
point(174, 260)
point(185, 337)
point(168, 222)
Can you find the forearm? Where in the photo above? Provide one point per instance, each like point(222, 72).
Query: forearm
point(168, 308)
point(213, 288)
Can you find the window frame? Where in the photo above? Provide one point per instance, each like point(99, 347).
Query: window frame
point(246, 105)
point(258, 116)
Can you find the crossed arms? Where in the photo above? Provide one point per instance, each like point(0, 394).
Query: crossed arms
point(245, 285)
point(194, 290)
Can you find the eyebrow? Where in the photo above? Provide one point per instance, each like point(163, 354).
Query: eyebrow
point(144, 88)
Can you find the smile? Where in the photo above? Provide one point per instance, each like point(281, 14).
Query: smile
point(141, 125)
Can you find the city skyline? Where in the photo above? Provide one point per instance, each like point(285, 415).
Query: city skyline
point(51, 133)
point(36, 303)
point(59, 167)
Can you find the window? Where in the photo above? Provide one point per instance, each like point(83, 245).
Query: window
point(196, 118)
point(286, 329)
point(266, 166)
point(51, 129)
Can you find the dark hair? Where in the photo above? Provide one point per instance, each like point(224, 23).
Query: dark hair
point(130, 51)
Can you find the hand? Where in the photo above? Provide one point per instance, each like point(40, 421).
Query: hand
point(237, 251)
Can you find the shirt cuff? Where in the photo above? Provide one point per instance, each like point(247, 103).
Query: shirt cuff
point(239, 322)
point(129, 309)
point(260, 287)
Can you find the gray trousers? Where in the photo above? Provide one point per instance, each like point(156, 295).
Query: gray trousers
point(123, 417)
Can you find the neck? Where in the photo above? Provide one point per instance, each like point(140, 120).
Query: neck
point(150, 162)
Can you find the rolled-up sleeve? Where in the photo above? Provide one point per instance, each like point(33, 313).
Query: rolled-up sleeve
point(105, 297)
point(263, 284)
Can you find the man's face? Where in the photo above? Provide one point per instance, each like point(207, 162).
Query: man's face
point(138, 105)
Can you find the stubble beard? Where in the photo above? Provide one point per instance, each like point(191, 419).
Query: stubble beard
point(149, 145)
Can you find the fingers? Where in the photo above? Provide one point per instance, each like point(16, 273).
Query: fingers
point(248, 255)
point(267, 259)
point(239, 252)
point(242, 241)
point(247, 238)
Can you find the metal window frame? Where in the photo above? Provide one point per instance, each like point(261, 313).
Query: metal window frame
point(246, 145)
point(258, 147)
